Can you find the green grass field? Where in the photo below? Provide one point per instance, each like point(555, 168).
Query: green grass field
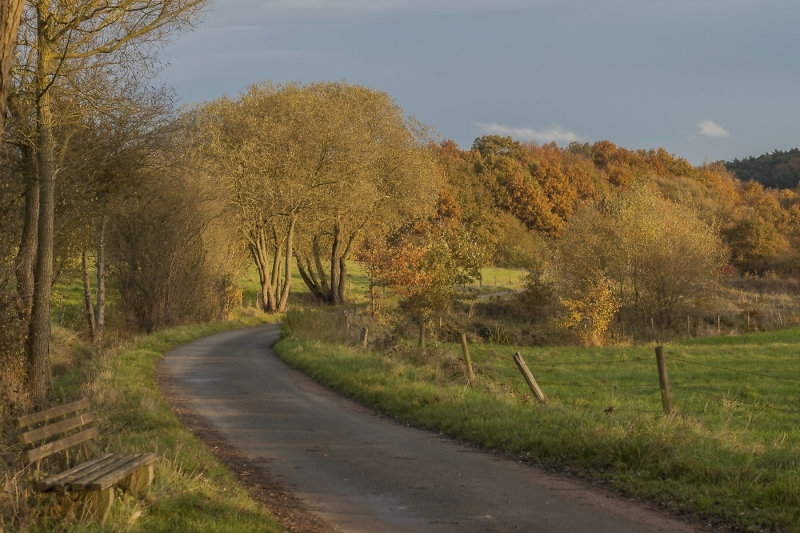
point(729, 455)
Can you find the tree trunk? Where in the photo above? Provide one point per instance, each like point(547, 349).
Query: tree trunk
point(40, 375)
point(275, 279)
point(26, 257)
point(287, 267)
point(10, 17)
point(87, 297)
point(307, 274)
point(313, 272)
point(333, 295)
point(343, 268)
point(373, 298)
point(323, 278)
point(100, 310)
point(257, 246)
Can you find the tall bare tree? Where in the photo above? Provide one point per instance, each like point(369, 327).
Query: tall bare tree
point(10, 18)
point(68, 38)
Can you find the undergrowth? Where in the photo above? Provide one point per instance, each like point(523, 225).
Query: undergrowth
point(192, 490)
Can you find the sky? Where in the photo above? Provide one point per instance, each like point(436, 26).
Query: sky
point(706, 80)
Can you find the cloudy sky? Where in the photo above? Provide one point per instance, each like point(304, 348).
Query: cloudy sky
point(704, 79)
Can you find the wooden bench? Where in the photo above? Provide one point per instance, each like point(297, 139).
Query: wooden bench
point(69, 427)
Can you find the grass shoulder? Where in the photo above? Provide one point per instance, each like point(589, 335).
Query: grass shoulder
point(192, 490)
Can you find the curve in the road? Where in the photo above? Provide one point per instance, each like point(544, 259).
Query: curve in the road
point(362, 472)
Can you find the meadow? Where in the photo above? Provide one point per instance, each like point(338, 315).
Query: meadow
point(728, 456)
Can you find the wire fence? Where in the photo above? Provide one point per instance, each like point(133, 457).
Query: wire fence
point(729, 387)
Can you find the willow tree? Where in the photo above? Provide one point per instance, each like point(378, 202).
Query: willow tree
point(306, 169)
point(66, 40)
point(253, 146)
point(380, 170)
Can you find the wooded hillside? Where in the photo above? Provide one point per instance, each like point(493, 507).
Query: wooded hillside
point(504, 187)
point(778, 170)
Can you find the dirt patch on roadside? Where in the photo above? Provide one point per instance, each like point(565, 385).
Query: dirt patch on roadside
point(280, 502)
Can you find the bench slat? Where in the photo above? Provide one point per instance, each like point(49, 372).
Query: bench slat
point(82, 480)
point(114, 472)
point(72, 424)
point(49, 449)
point(56, 428)
point(58, 480)
point(54, 412)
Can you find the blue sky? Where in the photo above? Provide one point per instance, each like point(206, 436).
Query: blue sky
point(704, 79)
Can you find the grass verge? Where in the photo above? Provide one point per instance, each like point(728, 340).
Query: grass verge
point(729, 456)
point(192, 490)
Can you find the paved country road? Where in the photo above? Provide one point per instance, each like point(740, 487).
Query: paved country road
point(358, 471)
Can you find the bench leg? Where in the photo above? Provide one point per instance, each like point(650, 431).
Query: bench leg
point(97, 503)
point(141, 480)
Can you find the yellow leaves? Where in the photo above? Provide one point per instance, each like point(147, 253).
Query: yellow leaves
point(591, 313)
point(657, 253)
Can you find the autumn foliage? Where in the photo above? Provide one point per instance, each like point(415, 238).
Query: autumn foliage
point(648, 231)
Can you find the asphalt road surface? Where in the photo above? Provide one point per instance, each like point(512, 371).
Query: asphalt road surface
point(359, 471)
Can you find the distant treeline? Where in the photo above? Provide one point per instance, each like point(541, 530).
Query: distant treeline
point(778, 170)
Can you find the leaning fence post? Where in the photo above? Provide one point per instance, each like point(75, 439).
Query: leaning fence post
point(663, 380)
point(526, 373)
point(467, 359)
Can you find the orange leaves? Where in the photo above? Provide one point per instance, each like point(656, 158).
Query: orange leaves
point(399, 265)
point(424, 262)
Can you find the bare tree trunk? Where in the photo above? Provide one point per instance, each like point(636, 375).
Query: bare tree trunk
point(343, 268)
point(10, 17)
point(272, 294)
point(26, 257)
point(373, 298)
point(87, 297)
point(333, 295)
point(323, 278)
point(40, 375)
point(307, 275)
point(257, 246)
point(287, 267)
point(275, 283)
point(100, 310)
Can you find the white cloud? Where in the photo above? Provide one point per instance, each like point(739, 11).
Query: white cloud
point(555, 134)
point(711, 129)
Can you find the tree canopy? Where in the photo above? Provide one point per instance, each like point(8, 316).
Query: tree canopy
point(307, 170)
point(778, 170)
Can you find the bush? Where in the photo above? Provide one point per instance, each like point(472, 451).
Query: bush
point(13, 396)
point(172, 265)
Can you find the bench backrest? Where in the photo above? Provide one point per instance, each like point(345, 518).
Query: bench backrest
point(56, 429)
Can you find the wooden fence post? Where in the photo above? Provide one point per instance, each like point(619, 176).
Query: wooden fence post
point(526, 373)
point(364, 337)
point(467, 359)
point(666, 399)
